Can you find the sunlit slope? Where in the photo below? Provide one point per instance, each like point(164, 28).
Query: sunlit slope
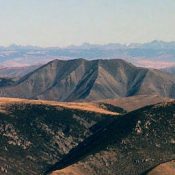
point(83, 80)
point(167, 168)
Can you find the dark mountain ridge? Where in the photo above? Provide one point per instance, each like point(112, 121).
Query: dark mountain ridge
point(81, 79)
point(132, 144)
point(35, 134)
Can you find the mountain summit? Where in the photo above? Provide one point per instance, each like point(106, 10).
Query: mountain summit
point(81, 79)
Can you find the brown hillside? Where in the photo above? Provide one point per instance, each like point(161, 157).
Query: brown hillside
point(163, 169)
point(84, 80)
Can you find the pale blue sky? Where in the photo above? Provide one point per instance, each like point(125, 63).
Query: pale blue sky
point(66, 22)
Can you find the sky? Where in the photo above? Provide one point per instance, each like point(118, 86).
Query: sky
point(73, 22)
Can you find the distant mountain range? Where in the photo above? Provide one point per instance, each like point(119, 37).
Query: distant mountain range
point(146, 55)
point(83, 80)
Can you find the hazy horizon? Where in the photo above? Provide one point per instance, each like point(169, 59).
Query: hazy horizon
point(85, 43)
point(58, 23)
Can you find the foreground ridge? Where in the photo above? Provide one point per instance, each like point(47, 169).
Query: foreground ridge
point(133, 143)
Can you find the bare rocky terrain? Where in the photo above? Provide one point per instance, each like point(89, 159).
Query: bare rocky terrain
point(83, 80)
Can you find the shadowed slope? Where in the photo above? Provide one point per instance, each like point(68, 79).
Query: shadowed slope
point(35, 134)
point(84, 80)
point(131, 144)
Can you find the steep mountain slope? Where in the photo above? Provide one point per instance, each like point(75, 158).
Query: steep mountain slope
point(91, 80)
point(132, 144)
point(52, 81)
point(35, 134)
